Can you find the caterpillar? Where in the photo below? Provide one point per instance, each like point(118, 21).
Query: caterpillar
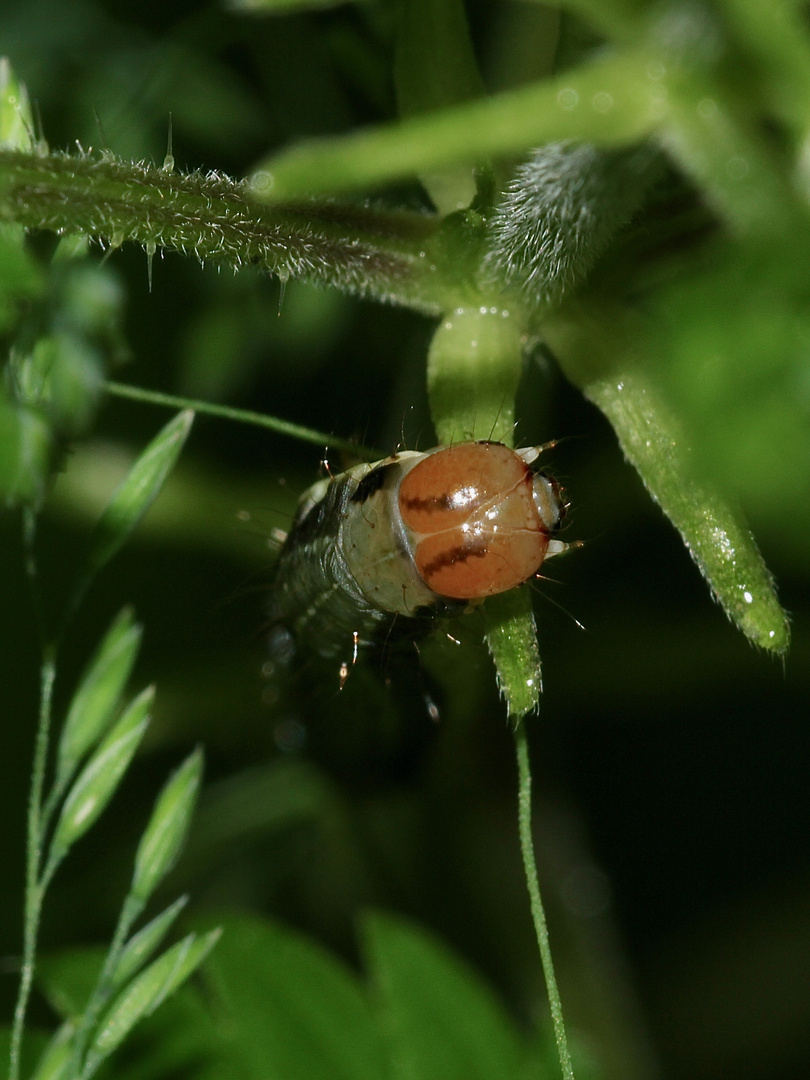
point(385, 550)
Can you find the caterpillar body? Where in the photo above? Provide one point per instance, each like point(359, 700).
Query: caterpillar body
point(384, 550)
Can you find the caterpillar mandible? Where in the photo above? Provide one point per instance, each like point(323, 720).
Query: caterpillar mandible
point(384, 550)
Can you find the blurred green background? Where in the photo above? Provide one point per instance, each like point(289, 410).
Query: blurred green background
point(671, 758)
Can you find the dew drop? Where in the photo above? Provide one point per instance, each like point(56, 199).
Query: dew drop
point(151, 248)
point(568, 98)
point(262, 182)
point(602, 101)
point(283, 278)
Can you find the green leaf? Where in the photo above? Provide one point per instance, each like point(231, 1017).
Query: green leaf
point(97, 782)
point(25, 447)
point(141, 945)
point(138, 490)
point(293, 1011)
point(628, 107)
point(54, 1064)
point(603, 348)
point(94, 702)
point(720, 544)
point(16, 120)
point(167, 828)
point(442, 1021)
point(738, 373)
point(146, 993)
point(435, 66)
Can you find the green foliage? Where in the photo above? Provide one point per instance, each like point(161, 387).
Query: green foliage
point(97, 696)
point(167, 828)
point(136, 493)
point(287, 1008)
point(91, 732)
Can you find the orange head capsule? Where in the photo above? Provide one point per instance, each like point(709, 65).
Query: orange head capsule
point(480, 518)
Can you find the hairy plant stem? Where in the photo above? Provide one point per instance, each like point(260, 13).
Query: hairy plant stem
point(400, 257)
point(535, 900)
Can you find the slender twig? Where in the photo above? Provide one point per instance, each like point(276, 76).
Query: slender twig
point(34, 888)
point(538, 914)
point(244, 416)
point(29, 534)
point(130, 911)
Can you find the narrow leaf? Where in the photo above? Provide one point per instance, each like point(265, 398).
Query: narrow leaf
point(628, 105)
point(96, 698)
point(435, 66)
point(139, 489)
point(141, 946)
point(291, 1011)
point(167, 828)
point(55, 1061)
point(101, 776)
point(16, 120)
point(720, 544)
point(442, 1021)
point(146, 993)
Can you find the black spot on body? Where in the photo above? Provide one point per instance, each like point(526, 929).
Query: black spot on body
point(370, 484)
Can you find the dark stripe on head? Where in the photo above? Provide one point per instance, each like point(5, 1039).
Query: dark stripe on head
point(370, 484)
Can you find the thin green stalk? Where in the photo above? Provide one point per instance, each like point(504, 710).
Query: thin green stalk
point(58, 789)
point(538, 914)
point(29, 523)
point(34, 888)
point(130, 910)
point(243, 416)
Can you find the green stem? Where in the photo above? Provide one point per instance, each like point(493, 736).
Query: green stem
point(29, 522)
point(536, 903)
point(58, 789)
point(386, 255)
point(130, 910)
point(243, 416)
point(34, 889)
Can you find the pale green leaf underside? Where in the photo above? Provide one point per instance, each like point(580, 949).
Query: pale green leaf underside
point(717, 540)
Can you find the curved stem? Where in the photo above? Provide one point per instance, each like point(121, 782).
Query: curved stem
point(243, 416)
point(131, 909)
point(34, 888)
point(536, 903)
